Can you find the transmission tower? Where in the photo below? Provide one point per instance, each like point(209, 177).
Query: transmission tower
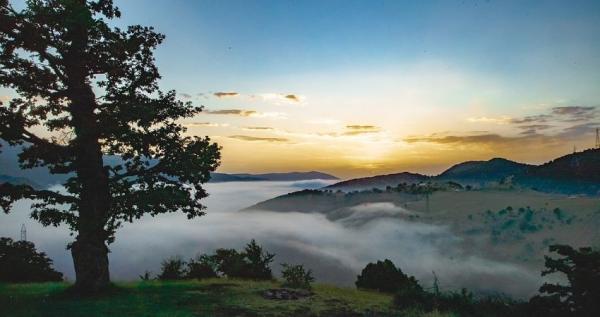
point(23, 233)
point(597, 138)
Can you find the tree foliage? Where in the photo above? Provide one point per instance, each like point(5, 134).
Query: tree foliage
point(580, 297)
point(93, 90)
point(21, 262)
point(172, 268)
point(203, 266)
point(383, 276)
point(296, 276)
point(251, 263)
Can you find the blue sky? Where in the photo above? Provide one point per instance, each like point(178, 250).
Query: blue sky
point(380, 86)
point(544, 46)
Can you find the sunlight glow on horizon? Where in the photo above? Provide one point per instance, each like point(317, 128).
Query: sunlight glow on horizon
point(359, 88)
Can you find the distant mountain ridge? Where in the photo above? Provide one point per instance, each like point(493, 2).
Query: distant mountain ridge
point(40, 177)
point(380, 181)
point(483, 171)
point(290, 176)
point(577, 173)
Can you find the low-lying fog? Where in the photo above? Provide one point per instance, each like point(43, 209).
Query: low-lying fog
point(335, 250)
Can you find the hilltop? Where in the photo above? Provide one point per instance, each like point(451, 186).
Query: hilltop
point(481, 172)
point(380, 181)
point(576, 173)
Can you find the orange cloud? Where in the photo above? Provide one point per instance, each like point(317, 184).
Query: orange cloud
point(225, 94)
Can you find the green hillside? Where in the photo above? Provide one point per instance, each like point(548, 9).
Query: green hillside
point(212, 297)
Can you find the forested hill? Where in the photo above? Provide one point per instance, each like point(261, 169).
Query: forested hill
point(576, 173)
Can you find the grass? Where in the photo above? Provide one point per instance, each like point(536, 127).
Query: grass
point(212, 297)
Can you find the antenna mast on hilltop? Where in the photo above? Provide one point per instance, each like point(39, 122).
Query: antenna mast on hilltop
point(23, 233)
point(597, 138)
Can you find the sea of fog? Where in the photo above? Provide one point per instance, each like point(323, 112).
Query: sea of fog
point(335, 250)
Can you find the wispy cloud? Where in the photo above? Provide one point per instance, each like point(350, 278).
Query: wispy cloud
point(225, 94)
point(259, 128)
point(185, 96)
point(206, 124)
point(259, 139)
point(530, 135)
point(459, 139)
point(279, 98)
point(356, 129)
point(560, 114)
point(575, 113)
point(534, 128)
point(579, 130)
point(362, 127)
point(498, 120)
point(293, 97)
point(540, 118)
point(236, 112)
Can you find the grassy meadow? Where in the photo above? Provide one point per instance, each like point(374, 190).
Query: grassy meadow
point(211, 297)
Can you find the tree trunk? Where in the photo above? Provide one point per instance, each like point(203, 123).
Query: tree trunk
point(90, 259)
point(90, 253)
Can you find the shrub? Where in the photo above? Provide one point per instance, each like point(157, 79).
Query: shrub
point(295, 276)
point(383, 276)
point(203, 266)
point(412, 296)
point(580, 297)
point(147, 276)
point(258, 261)
point(252, 263)
point(20, 262)
point(172, 269)
point(230, 262)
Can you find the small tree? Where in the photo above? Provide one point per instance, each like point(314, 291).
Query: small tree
point(94, 91)
point(581, 297)
point(20, 262)
point(258, 261)
point(251, 263)
point(172, 269)
point(295, 276)
point(203, 266)
point(383, 276)
point(230, 262)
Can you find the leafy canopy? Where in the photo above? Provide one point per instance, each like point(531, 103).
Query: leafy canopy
point(154, 166)
point(21, 262)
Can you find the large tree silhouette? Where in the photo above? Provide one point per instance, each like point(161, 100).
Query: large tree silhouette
point(91, 89)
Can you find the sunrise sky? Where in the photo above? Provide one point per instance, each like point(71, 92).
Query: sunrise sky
point(359, 88)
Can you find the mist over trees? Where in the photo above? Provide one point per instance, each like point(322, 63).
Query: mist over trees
point(94, 90)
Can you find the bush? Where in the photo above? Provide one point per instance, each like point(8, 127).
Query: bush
point(295, 276)
point(258, 261)
point(384, 277)
point(203, 266)
point(578, 298)
point(412, 296)
point(173, 269)
point(20, 263)
point(230, 262)
point(461, 303)
point(252, 263)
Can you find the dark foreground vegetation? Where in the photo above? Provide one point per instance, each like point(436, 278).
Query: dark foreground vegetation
point(241, 283)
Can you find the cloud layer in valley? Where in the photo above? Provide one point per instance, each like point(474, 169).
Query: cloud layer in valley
point(335, 250)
